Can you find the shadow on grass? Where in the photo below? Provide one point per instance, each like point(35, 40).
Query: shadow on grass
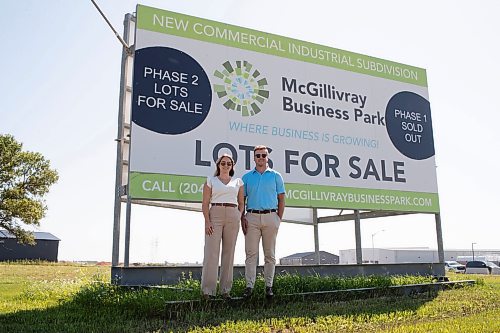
point(293, 307)
point(70, 317)
point(145, 311)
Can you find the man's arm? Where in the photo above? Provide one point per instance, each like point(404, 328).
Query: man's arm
point(281, 205)
point(280, 189)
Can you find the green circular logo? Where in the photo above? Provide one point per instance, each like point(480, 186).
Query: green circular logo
point(243, 88)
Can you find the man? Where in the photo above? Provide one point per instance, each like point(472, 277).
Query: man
point(264, 192)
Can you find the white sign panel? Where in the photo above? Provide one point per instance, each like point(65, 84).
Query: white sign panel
point(345, 130)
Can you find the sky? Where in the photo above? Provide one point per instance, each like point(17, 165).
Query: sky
point(59, 87)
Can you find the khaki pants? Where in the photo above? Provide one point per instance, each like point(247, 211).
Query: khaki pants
point(226, 226)
point(265, 226)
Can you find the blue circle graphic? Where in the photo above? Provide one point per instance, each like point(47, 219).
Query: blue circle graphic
point(409, 125)
point(172, 93)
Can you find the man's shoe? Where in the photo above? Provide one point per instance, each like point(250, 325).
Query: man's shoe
point(269, 292)
point(248, 292)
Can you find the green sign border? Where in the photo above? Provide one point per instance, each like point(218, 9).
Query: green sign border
point(154, 186)
point(153, 19)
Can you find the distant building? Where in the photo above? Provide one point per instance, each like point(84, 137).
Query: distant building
point(409, 255)
point(309, 258)
point(46, 248)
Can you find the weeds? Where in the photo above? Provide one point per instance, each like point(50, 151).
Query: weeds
point(73, 299)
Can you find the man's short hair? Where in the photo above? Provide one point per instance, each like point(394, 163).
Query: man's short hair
point(260, 147)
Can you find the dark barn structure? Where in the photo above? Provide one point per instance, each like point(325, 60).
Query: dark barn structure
point(46, 248)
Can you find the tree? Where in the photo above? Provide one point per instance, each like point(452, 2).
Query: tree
point(25, 177)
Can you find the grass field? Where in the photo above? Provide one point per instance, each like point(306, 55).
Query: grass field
point(69, 298)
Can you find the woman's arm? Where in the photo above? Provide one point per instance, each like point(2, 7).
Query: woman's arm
point(207, 194)
point(241, 200)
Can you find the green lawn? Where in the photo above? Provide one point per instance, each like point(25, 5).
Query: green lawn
point(17, 281)
point(69, 298)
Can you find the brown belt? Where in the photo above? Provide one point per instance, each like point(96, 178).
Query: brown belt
point(224, 204)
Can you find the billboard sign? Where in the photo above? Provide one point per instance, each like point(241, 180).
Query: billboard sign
point(345, 130)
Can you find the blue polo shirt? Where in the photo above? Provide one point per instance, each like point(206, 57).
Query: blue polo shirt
point(261, 190)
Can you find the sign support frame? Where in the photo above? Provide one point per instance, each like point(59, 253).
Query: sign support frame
point(122, 167)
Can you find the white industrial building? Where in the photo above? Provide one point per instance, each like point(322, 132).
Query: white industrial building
point(413, 255)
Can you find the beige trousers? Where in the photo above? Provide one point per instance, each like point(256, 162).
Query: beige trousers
point(265, 226)
point(226, 226)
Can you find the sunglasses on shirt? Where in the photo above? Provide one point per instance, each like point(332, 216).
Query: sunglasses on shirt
point(261, 155)
point(226, 163)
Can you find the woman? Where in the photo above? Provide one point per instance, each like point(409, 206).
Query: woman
point(225, 194)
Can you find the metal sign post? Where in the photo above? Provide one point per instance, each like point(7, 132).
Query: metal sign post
point(122, 140)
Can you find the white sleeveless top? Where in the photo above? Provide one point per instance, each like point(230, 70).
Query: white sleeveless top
point(222, 193)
